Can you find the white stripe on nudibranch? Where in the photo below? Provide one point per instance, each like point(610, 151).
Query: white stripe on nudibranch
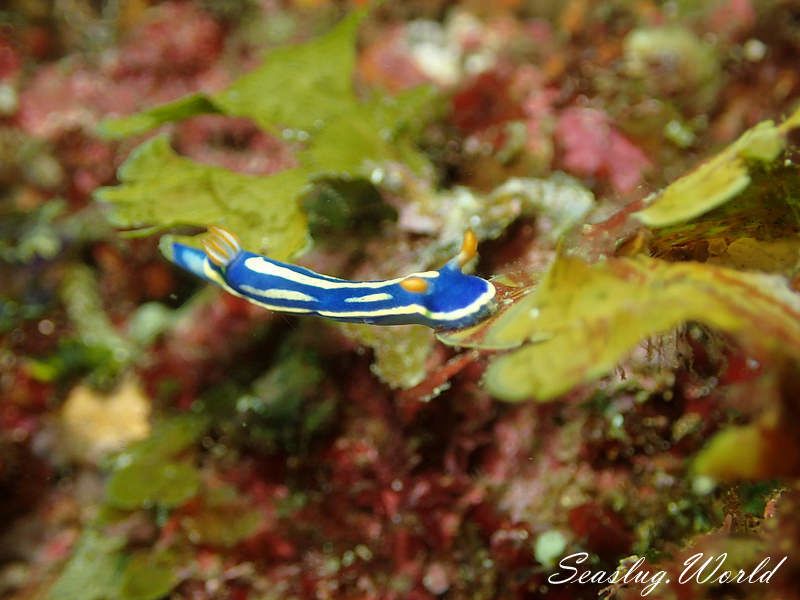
point(370, 298)
point(265, 267)
point(208, 269)
point(280, 309)
point(214, 276)
point(278, 294)
point(410, 309)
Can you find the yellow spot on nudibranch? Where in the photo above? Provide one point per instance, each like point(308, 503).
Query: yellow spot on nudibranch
point(414, 284)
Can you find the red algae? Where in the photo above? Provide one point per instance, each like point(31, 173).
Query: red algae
point(280, 461)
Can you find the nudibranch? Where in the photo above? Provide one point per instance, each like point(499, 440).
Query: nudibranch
point(443, 299)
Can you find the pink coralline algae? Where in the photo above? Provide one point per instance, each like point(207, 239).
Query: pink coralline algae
point(591, 146)
point(387, 62)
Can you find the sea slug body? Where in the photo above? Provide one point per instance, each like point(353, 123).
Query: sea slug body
point(443, 299)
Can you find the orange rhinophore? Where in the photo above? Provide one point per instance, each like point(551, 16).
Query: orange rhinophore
point(469, 248)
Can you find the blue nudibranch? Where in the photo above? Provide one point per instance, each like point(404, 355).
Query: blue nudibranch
point(443, 299)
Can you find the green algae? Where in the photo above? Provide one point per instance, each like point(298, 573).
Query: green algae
point(223, 519)
point(583, 319)
point(297, 86)
point(99, 570)
point(151, 472)
point(719, 180)
point(93, 571)
point(401, 352)
point(305, 92)
point(148, 576)
point(672, 62)
point(146, 484)
point(159, 187)
point(289, 404)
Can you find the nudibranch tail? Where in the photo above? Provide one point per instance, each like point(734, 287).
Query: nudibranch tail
point(221, 246)
point(186, 257)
